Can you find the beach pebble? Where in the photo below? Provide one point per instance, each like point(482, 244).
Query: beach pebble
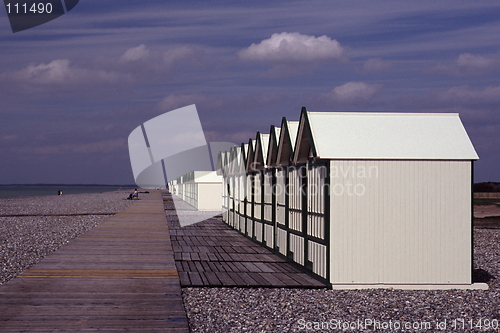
point(308, 310)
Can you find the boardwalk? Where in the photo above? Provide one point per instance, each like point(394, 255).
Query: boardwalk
point(212, 254)
point(118, 277)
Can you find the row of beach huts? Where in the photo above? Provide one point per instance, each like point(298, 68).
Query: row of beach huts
point(356, 199)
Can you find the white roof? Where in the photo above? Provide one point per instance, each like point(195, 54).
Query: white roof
point(206, 177)
point(364, 135)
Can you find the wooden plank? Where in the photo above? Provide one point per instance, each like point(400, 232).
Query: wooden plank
point(250, 266)
point(212, 279)
point(237, 279)
point(260, 279)
point(184, 279)
point(196, 280)
point(273, 280)
point(225, 279)
point(249, 281)
point(263, 267)
point(199, 266)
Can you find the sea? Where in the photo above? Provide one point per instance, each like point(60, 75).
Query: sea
point(15, 191)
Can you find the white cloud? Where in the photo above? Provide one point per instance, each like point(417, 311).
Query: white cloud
point(181, 53)
point(476, 105)
point(354, 93)
point(467, 60)
point(294, 47)
point(376, 65)
point(135, 53)
point(470, 64)
point(464, 96)
point(61, 71)
point(58, 71)
point(148, 63)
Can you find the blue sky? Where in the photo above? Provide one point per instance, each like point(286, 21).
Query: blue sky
point(74, 88)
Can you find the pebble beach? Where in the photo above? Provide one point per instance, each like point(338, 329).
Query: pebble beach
point(31, 228)
point(303, 310)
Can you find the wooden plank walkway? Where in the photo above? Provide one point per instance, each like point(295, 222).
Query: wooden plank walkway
point(118, 277)
point(212, 254)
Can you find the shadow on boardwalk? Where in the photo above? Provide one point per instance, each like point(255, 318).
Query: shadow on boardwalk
point(212, 254)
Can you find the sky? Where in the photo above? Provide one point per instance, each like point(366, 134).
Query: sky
point(73, 89)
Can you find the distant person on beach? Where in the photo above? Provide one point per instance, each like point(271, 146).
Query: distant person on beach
point(133, 195)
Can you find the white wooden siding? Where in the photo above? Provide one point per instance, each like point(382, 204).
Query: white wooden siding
point(400, 222)
point(281, 241)
point(317, 255)
point(297, 247)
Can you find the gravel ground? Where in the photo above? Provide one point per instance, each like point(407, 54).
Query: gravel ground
point(300, 310)
point(31, 228)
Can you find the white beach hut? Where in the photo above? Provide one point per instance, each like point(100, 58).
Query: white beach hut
point(284, 156)
point(386, 199)
point(263, 231)
point(202, 190)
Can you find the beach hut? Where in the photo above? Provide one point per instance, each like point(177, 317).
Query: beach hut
point(239, 171)
point(262, 185)
point(384, 200)
point(284, 156)
point(249, 186)
point(202, 190)
point(221, 170)
point(232, 179)
point(269, 186)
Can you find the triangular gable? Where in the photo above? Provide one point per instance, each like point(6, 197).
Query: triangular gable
point(231, 161)
point(261, 146)
point(272, 149)
point(225, 166)
point(235, 161)
point(250, 155)
point(288, 133)
point(219, 164)
point(305, 147)
point(242, 159)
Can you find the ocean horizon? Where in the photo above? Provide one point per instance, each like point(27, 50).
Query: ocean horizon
point(35, 190)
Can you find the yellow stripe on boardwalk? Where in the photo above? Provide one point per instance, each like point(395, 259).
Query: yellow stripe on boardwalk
point(101, 273)
point(125, 237)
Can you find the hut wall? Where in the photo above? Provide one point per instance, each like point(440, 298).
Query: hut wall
point(400, 222)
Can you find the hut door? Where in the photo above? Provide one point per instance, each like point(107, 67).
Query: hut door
point(296, 229)
point(268, 208)
point(316, 219)
point(280, 193)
